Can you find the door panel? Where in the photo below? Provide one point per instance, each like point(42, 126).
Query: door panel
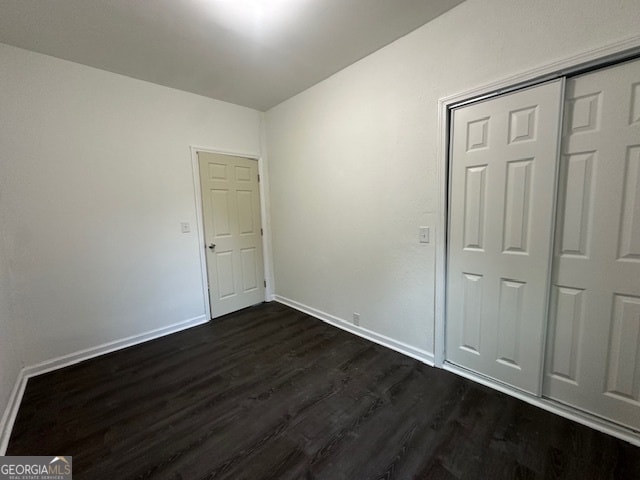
point(231, 211)
point(503, 173)
point(630, 234)
point(517, 203)
point(593, 359)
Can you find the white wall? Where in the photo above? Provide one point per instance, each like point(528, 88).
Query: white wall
point(353, 159)
point(98, 178)
point(10, 363)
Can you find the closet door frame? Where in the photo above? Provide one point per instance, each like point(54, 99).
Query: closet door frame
point(582, 63)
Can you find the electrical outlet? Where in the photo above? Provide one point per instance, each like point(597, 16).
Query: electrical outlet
point(356, 319)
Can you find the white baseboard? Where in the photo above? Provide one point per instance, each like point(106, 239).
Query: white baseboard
point(408, 350)
point(586, 419)
point(577, 416)
point(76, 357)
point(11, 412)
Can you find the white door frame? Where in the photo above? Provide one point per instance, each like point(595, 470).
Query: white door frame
point(264, 220)
point(586, 61)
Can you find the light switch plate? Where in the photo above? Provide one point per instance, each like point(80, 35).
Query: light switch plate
point(423, 234)
point(185, 227)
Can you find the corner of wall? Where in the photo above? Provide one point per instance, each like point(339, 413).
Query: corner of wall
point(265, 206)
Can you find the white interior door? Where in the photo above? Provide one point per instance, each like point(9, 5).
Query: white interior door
point(502, 188)
point(232, 229)
point(593, 355)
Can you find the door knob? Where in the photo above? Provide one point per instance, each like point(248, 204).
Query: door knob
point(212, 246)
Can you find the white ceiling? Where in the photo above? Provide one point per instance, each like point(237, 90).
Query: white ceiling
point(255, 53)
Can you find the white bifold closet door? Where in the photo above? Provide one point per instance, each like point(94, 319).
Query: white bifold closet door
point(503, 176)
point(593, 352)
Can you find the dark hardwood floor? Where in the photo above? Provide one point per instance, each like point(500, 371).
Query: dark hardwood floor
point(271, 393)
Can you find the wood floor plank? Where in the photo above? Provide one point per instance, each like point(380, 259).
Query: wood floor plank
point(271, 393)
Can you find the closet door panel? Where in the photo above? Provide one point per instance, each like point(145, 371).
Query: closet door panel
point(593, 356)
point(503, 177)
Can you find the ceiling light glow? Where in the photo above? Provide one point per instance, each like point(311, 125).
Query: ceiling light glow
point(254, 18)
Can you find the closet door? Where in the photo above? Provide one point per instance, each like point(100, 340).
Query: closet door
point(593, 353)
point(503, 176)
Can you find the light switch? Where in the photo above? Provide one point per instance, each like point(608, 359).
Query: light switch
point(423, 234)
point(185, 227)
